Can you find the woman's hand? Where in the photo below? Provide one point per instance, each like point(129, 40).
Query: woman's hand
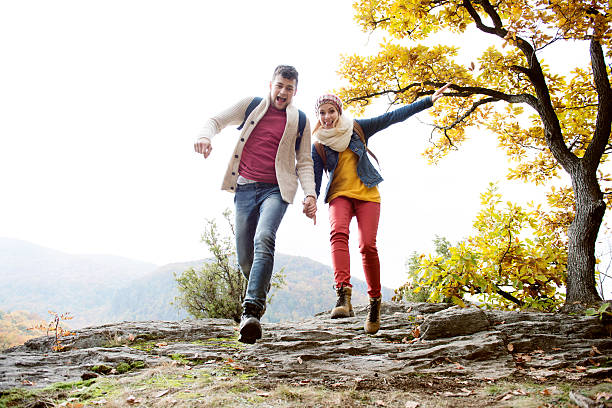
point(439, 93)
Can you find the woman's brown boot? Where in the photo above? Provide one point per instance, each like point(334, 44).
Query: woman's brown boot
point(372, 322)
point(343, 304)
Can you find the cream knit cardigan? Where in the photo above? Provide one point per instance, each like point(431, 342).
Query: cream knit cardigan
point(287, 170)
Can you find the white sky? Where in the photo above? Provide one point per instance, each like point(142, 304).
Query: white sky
point(100, 102)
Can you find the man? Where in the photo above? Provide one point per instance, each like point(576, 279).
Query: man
point(263, 173)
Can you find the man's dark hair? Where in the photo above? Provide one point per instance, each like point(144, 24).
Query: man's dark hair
point(287, 72)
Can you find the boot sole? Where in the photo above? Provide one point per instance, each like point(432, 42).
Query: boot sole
point(343, 316)
point(250, 332)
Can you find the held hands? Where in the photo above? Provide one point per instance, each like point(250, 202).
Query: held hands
point(310, 208)
point(439, 93)
point(203, 146)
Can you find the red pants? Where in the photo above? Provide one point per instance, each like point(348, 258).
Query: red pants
point(341, 212)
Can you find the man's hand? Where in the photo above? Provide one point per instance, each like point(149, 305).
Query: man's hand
point(310, 208)
point(203, 146)
point(439, 93)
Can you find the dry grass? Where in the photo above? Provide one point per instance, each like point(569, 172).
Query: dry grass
point(178, 385)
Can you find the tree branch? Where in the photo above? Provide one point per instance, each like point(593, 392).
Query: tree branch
point(367, 96)
point(603, 122)
point(506, 252)
point(467, 113)
point(543, 104)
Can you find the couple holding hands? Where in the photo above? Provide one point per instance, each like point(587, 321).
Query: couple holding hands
point(273, 152)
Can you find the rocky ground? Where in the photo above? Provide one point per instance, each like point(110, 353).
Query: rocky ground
point(424, 355)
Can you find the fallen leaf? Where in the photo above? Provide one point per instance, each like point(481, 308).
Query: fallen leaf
point(299, 360)
point(161, 344)
point(581, 368)
point(506, 397)
point(595, 350)
point(132, 400)
point(27, 382)
point(547, 357)
point(557, 348)
point(411, 404)
point(519, 392)
point(538, 351)
point(545, 392)
point(510, 347)
point(595, 363)
point(131, 337)
point(161, 393)
point(459, 366)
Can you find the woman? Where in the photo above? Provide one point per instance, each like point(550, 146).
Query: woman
point(352, 192)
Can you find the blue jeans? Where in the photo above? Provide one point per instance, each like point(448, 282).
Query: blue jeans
point(259, 211)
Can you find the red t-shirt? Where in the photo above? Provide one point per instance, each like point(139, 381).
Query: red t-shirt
point(259, 153)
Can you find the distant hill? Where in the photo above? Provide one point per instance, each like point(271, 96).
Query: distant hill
point(309, 290)
point(38, 279)
point(98, 289)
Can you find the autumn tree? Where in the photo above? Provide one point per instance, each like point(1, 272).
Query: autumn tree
point(545, 121)
point(514, 259)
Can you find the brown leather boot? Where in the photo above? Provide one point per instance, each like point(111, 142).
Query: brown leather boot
point(343, 304)
point(372, 322)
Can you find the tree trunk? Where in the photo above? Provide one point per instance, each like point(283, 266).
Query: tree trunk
point(582, 234)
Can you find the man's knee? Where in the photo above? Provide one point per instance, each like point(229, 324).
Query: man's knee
point(265, 239)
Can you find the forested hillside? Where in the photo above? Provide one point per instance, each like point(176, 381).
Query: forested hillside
point(15, 328)
point(38, 279)
point(98, 289)
point(308, 291)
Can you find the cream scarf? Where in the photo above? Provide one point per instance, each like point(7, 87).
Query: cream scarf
point(339, 136)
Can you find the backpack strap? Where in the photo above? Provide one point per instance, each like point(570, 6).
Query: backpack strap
point(301, 120)
point(256, 101)
point(301, 126)
point(321, 152)
point(359, 130)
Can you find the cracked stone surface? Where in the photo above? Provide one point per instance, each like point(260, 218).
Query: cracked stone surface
point(468, 342)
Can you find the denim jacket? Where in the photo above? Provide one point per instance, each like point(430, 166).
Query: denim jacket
point(365, 170)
